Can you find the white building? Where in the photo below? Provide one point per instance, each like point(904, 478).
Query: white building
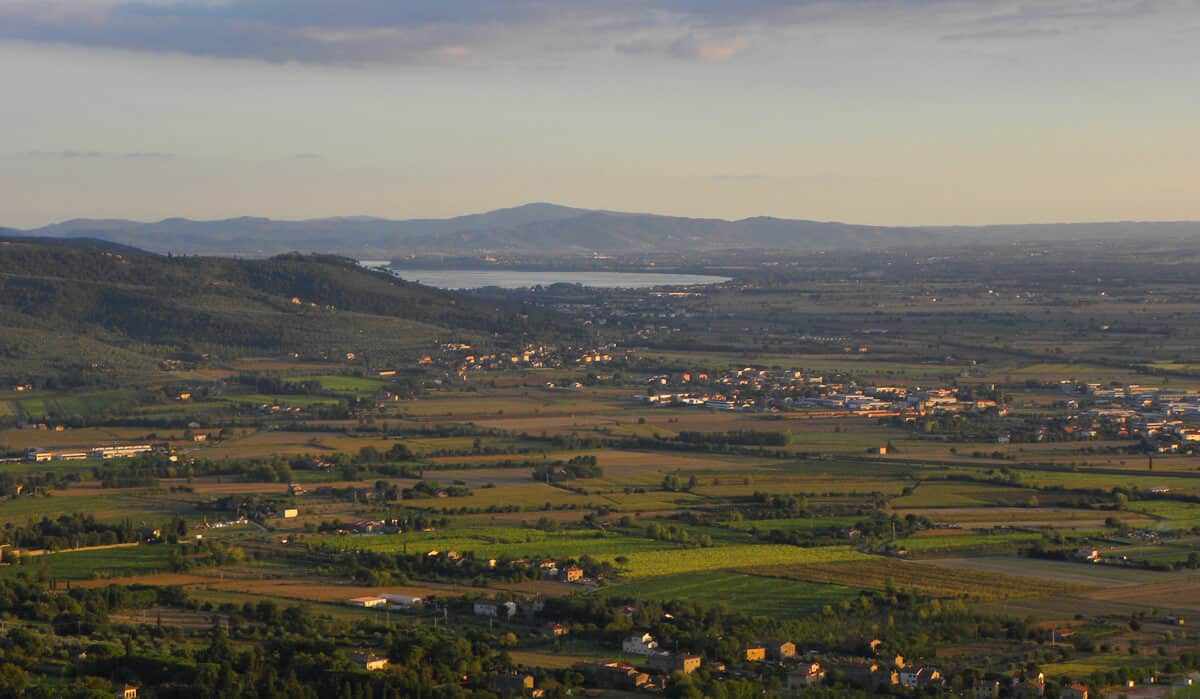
point(495, 609)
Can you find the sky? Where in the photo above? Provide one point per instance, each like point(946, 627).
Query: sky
point(890, 112)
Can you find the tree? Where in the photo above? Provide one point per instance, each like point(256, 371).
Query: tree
point(13, 679)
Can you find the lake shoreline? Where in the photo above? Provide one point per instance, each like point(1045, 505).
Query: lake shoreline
point(466, 279)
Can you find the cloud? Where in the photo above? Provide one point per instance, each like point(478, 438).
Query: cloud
point(1004, 34)
point(742, 179)
point(687, 47)
point(70, 154)
point(458, 31)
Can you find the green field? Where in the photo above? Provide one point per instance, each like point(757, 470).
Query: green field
point(287, 400)
point(338, 383)
point(1181, 515)
point(104, 506)
point(82, 405)
point(657, 563)
point(501, 542)
point(959, 543)
point(882, 574)
point(748, 594)
point(99, 563)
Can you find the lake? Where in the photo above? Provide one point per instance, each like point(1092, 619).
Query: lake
point(519, 279)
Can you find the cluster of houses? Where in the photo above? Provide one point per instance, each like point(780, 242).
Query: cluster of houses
point(461, 360)
point(646, 666)
point(1163, 417)
point(278, 409)
point(771, 389)
point(802, 671)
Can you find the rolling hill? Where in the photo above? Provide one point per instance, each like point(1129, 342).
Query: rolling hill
point(75, 307)
point(548, 229)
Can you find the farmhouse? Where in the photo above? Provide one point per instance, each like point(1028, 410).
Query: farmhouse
point(366, 602)
point(1035, 687)
point(1087, 554)
point(755, 654)
point(805, 676)
point(613, 675)
point(780, 650)
point(639, 645)
point(368, 661)
point(670, 663)
point(1074, 691)
point(402, 601)
point(921, 678)
point(495, 609)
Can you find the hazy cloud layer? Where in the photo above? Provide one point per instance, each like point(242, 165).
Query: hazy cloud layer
point(69, 154)
point(419, 31)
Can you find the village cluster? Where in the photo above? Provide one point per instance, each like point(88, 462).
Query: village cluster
point(775, 390)
point(642, 663)
point(1162, 417)
point(461, 360)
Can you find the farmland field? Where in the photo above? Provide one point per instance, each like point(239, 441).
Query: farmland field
point(98, 563)
point(656, 563)
point(501, 542)
point(919, 448)
point(951, 541)
point(1058, 571)
point(740, 592)
point(929, 579)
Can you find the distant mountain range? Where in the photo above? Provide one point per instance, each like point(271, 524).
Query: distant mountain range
point(549, 229)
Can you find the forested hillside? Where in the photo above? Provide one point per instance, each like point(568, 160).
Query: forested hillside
point(96, 307)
